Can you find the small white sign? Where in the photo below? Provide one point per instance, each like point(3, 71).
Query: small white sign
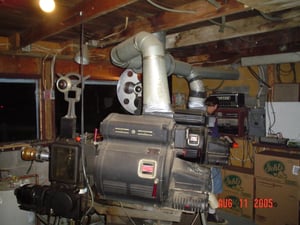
point(296, 170)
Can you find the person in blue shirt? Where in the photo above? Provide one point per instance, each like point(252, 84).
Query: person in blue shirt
point(212, 104)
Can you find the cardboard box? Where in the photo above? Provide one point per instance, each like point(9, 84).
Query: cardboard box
point(278, 167)
point(276, 203)
point(237, 204)
point(238, 191)
point(239, 180)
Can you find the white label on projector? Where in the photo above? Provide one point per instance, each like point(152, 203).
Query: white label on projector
point(296, 170)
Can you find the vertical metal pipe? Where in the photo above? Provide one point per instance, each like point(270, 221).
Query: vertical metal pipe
point(146, 51)
point(156, 98)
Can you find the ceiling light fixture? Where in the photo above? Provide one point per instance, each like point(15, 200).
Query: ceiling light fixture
point(47, 5)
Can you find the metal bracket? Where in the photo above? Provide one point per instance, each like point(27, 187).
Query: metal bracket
point(214, 3)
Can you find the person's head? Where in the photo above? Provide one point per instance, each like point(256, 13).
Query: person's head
point(212, 103)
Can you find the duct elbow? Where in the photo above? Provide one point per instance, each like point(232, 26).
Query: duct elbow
point(156, 97)
point(145, 52)
point(130, 53)
point(197, 94)
point(148, 44)
point(126, 53)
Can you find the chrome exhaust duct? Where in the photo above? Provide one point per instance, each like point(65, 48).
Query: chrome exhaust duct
point(197, 92)
point(194, 76)
point(145, 53)
point(156, 98)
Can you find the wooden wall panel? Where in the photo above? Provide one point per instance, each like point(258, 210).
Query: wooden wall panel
point(22, 67)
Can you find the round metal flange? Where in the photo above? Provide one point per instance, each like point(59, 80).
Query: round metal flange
point(64, 84)
point(129, 91)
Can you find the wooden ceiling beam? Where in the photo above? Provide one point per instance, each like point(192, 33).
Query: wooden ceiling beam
point(237, 28)
point(200, 11)
point(192, 13)
point(231, 50)
point(81, 13)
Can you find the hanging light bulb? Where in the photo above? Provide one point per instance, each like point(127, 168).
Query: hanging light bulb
point(47, 5)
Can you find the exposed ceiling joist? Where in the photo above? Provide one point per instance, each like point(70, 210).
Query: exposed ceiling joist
point(203, 11)
point(192, 14)
point(230, 51)
point(232, 29)
point(81, 13)
point(84, 12)
point(205, 31)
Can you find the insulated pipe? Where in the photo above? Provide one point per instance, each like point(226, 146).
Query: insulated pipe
point(135, 53)
point(194, 76)
point(136, 62)
point(156, 98)
point(197, 92)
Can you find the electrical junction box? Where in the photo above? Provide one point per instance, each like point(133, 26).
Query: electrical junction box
point(257, 122)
